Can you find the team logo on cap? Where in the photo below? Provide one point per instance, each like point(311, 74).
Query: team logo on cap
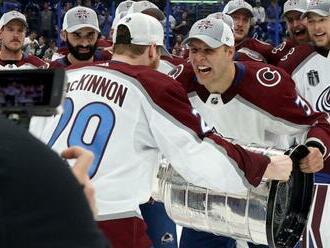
point(268, 77)
point(314, 2)
point(205, 24)
point(128, 19)
point(15, 14)
point(323, 102)
point(292, 2)
point(82, 14)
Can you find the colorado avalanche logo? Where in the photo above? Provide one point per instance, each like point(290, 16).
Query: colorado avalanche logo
point(323, 102)
point(268, 77)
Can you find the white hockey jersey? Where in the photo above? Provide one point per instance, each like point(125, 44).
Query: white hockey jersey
point(128, 116)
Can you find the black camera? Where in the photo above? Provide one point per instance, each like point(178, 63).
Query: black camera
point(31, 92)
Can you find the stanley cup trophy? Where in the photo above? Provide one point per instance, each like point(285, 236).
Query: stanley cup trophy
point(274, 213)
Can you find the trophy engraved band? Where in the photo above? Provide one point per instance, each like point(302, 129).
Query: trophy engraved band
point(274, 213)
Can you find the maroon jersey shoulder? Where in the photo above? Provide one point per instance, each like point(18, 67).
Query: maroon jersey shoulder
point(256, 45)
point(33, 60)
point(174, 59)
point(269, 88)
point(105, 55)
point(280, 51)
point(102, 43)
point(294, 57)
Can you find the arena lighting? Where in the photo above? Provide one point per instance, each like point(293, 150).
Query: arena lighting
point(194, 1)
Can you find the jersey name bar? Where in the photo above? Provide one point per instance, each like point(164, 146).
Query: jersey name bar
point(111, 90)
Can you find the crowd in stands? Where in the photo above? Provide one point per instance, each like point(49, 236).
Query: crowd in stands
point(44, 16)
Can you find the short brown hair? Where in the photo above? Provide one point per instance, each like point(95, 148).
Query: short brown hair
point(122, 44)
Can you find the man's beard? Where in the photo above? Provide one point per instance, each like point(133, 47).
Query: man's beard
point(154, 64)
point(81, 56)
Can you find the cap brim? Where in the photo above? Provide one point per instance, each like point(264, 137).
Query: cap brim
point(79, 26)
point(206, 39)
point(236, 9)
point(17, 19)
point(296, 9)
point(315, 11)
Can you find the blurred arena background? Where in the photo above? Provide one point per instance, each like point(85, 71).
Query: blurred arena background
point(45, 19)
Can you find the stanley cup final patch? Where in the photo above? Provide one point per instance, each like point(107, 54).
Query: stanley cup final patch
point(313, 77)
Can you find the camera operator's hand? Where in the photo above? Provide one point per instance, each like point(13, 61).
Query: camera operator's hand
point(313, 162)
point(80, 170)
point(279, 168)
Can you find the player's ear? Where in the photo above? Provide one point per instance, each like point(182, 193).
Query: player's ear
point(152, 51)
point(230, 51)
point(63, 35)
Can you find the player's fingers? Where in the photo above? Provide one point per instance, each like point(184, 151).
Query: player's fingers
point(83, 156)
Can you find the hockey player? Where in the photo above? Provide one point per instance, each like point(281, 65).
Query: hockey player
point(13, 27)
point(80, 31)
point(296, 27)
point(251, 48)
point(248, 101)
point(309, 67)
point(128, 114)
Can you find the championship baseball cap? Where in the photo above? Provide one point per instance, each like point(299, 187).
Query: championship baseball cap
point(144, 30)
point(294, 5)
point(320, 7)
point(214, 32)
point(226, 18)
point(148, 8)
point(234, 5)
point(80, 17)
point(12, 15)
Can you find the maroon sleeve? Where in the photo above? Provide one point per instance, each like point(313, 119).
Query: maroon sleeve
point(169, 95)
point(290, 61)
point(175, 60)
point(55, 64)
point(106, 55)
point(286, 104)
point(263, 48)
point(33, 60)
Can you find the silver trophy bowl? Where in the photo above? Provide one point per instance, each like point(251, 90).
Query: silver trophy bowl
point(274, 213)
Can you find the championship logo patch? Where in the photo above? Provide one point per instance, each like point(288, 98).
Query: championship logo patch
point(313, 78)
point(268, 77)
point(323, 102)
point(205, 24)
point(82, 15)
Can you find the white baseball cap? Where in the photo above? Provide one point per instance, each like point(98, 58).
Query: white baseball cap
point(234, 5)
point(123, 6)
point(80, 17)
point(214, 32)
point(226, 18)
point(144, 30)
point(320, 7)
point(12, 15)
point(117, 18)
point(148, 8)
point(294, 5)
